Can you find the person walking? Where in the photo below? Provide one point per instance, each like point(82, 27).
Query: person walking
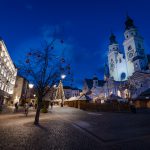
point(132, 107)
point(26, 109)
point(16, 107)
point(51, 105)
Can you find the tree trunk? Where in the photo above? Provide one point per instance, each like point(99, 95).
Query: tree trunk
point(36, 121)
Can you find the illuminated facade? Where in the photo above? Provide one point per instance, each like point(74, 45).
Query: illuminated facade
point(71, 92)
point(8, 73)
point(132, 65)
point(121, 67)
point(21, 90)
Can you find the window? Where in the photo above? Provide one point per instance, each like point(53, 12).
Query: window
point(130, 55)
point(123, 76)
point(129, 48)
point(136, 65)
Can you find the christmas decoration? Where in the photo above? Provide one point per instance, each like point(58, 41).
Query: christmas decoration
point(60, 92)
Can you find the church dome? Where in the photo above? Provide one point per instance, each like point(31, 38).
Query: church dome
point(129, 23)
point(112, 39)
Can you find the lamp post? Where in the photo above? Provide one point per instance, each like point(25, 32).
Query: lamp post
point(30, 87)
point(63, 76)
point(54, 86)
point(54, 92)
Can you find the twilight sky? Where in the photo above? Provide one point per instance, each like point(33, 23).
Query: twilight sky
point(86, 26)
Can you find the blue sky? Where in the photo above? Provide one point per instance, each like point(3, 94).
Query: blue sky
point(87, 25)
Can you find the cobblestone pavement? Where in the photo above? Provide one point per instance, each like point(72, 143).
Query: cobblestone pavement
point(73, 129)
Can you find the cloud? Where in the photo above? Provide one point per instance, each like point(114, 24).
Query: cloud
point(45, 34)
point(49, 32)
point(85, 62)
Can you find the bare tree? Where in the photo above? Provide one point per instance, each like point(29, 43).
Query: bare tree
point(131, 88)
point(42, 68)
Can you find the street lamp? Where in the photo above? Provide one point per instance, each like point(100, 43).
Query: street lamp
point(54, 86)
point(63, 76)
point(31, 86)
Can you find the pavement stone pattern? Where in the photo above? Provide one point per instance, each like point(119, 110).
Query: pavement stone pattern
point(74, 129)
point(18, 133)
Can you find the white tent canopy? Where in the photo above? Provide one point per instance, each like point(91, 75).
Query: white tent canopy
point(83, 97)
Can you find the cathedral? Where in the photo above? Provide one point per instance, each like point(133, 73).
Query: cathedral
point(127, 73)
point(132, 64)
point(123, 65)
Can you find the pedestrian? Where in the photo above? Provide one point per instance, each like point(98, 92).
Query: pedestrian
point(26, 109)
point(31, 104)
point(16, 107)
point(51, 105)
point(35, 106)
point(132, 107)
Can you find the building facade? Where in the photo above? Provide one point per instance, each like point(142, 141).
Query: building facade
point(123, 64)
point(93, 87)
point(130, 66)
point(71, 92)
point(21, 90)
point(8, 74)
point(127, 73)
point(116, 61)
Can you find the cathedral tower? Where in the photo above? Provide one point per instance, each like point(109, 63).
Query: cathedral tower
point(134, 48)
point(116, 61)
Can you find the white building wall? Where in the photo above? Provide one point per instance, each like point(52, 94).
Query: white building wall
point(117, 64)
point(133, 47)
point(8, 71)
point(129, 54)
